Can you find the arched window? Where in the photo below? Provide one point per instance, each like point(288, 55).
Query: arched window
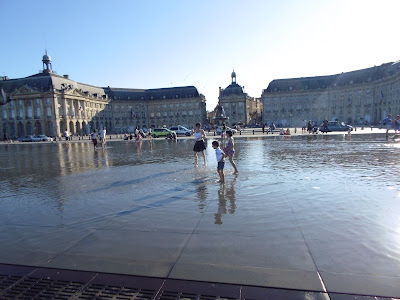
point(20, 128)
point(29, 128)
point(38, 128)
point(49, 128)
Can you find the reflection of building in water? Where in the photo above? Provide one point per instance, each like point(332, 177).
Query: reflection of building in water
point(47, 103)
point(225, 194)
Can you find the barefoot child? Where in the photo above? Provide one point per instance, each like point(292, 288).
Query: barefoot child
point(220, 159)
point(230, 149)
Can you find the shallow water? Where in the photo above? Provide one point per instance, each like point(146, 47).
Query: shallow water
point(342, 194)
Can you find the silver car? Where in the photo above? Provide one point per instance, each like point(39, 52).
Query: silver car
point(26, 138)
point(336, 126)
point(180, 130)
point(41, 138)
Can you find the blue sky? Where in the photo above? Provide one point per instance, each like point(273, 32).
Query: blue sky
point(156, 44)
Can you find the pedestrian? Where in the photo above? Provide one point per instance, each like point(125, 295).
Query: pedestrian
point(220, 155)
point(94, 138)
point(325, 125)
point(304, 127)
point(223, 133)
point(103, 134)
point(397, 124)
point(200, 144)
point(388, 123)
point(310, 127)
point(272, 127)
point(66, 135)
point(5, 137)
point(230, 149)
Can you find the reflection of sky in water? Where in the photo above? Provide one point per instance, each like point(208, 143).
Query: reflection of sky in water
point(331, 187)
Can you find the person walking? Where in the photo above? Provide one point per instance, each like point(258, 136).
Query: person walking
point(325, 125)
point(103, 134)
point(397, 124)
point(66, 135)
point(94, 139)
point(200, 144)
point(220, 155)
point(304, 127)
point(223, 133)
point(388, 124)
point(5, 137)
point(230, 149)
point(310, 127)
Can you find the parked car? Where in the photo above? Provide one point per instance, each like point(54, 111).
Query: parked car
point(219, 130)
point(180, 130)
point(26, 138)
point(336, 126)
point(157, 132)
point(41, 138)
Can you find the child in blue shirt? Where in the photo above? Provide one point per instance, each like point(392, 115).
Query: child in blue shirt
point(220, 159)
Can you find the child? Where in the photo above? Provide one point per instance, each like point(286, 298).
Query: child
point(94, 138)
point(230, 149)
point(220, 159)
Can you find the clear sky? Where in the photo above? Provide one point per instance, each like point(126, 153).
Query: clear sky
point(166, 43)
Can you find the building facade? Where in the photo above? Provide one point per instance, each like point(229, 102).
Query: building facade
point(239, 107)
point(156, 107)
point(359, 97)
point(46, 103)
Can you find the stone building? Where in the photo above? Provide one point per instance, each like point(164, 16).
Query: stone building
point(156, 107)
point(239, 107)
point(359, 97)
point(47, 103)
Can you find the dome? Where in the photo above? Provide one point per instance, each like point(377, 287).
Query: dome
point(233, 89)
point(233, 74)
point(46, 58)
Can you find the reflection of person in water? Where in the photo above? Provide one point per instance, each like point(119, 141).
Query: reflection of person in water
point(225, 193)
point(105, 158)
point(201, 191)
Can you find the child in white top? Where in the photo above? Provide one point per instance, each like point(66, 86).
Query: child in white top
point(220, 155)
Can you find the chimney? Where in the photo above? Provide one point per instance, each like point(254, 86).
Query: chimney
point(66, 76)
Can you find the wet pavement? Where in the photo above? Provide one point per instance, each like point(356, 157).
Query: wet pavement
point(316, 213)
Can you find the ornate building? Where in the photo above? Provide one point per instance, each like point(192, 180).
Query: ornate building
point(46, 103)
point(358, 97)
point(156, 107)
point(239, 107)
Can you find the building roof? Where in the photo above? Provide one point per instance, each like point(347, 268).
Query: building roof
point(152, 94)
point(343, 79)
point(232, 89)
point(44, 82)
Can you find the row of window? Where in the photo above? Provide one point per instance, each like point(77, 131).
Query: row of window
point(233, 105)
point(380, 92)
point(177, 96)
point(20, 113)
point(29, 102)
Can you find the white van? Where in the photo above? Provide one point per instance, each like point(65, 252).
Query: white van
point(180, 130)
